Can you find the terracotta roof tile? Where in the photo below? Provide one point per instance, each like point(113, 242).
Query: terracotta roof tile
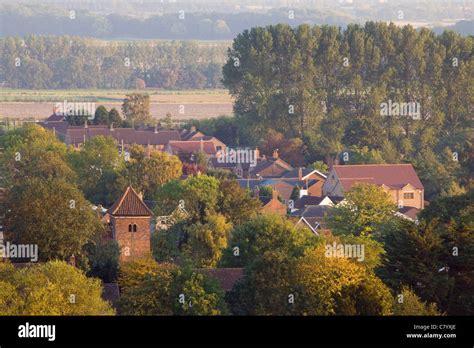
point(391, 175)
point(130, 204)
point(192, 146)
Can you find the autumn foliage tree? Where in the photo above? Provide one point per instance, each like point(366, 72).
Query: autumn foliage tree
point(136, 108)
point(149, 288)
point(52, 288)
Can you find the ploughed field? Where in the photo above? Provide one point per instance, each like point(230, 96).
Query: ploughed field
point(186, 104)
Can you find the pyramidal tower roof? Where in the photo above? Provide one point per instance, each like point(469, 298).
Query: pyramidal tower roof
point(130, 204)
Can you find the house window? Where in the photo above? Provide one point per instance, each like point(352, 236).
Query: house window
point(130, 228)
point(134, 228)
point(218, 148)
point(408, 195)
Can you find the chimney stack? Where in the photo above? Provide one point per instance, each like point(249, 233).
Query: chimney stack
point(111, 126)
point(257, 153)
point(85, 123)
point(193, 129)
point(274, 194)
point(156, 128)
point(275, 153)
point(300, 173)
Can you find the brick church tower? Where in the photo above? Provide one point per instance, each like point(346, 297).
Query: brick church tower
point(130, 220)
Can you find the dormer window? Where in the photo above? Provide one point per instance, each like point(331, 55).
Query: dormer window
point(408, 195)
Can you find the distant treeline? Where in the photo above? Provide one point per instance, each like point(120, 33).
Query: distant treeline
point(206, 20)
point(65, 62)
point(22, 20)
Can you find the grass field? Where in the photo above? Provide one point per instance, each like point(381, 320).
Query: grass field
point(38, 104)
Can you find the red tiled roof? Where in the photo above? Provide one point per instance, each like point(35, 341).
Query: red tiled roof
point(129, 204)
point(391, 175)
point(59, 127)
point(128, 135)
point(191, 146)
point(226, 277)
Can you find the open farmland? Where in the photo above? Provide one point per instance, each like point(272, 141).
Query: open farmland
point(38, 104)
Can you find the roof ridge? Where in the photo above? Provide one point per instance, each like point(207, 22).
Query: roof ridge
point(120, 201)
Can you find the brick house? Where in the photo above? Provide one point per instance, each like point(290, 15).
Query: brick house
point(130, 221)
point(399, 180)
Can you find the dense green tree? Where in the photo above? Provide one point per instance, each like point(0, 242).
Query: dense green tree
point(147, 172)
point(114, 118)
point(407, 303)
point(52, 288)
point(33, 152)
point(312, 284)
point(101, 115)
point(99, 168)
point(206, 241)
point(433, 258)
point(366, 206)
point(103, 257)
point(149, 288)
point(266, 233)
point(51, 213)
point(235, 203)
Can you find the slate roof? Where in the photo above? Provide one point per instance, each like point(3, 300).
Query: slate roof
point(316, 211)
point(250, 183)
point(130, 204)
point(265, 200)
point(55, 118)
point(394, 176)
point(307, 200)
point(294, 173)
point(411, 212)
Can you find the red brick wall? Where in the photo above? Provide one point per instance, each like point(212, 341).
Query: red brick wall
point(316, 189)
point(132, 244)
